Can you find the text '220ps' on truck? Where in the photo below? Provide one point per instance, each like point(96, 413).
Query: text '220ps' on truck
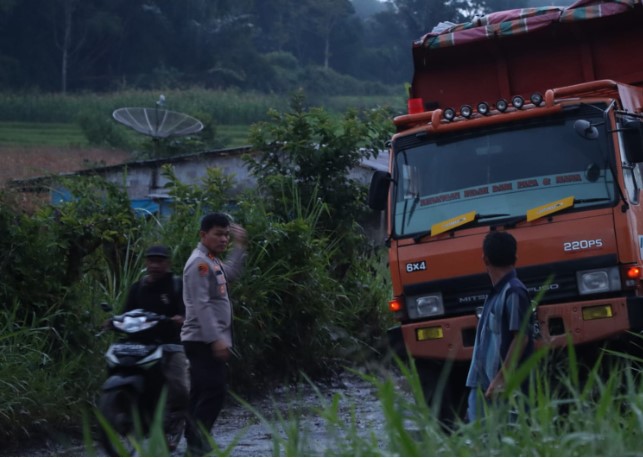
point(527, 121)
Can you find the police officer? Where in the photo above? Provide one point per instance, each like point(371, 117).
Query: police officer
point(159, 291)
point(207, 331)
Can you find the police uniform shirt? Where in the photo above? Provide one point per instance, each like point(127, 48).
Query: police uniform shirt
point(208, 310)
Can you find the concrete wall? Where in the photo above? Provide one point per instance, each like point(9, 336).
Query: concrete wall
point(145, 178)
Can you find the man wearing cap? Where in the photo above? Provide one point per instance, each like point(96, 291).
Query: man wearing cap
point(159, 291)
point(207, 332)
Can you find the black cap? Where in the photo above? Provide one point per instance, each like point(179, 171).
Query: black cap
point(160, 251)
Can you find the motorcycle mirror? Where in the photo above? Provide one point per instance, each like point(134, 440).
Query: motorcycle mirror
point(106, 307)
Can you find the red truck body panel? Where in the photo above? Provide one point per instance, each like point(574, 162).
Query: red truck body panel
point(557, 53)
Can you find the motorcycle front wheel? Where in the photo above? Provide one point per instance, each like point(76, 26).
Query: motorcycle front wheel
point(118, 407)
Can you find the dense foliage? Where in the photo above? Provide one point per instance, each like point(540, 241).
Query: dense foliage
point(329, 46)
point(293, 306)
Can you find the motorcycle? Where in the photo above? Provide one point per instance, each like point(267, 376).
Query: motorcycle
point(135, 381)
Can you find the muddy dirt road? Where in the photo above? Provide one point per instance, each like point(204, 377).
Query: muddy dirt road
point(292, 411)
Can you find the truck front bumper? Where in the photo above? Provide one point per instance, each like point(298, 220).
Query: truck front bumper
point(584, 321)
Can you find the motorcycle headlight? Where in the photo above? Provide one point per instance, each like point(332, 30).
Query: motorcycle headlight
point(425, 305)
point(598, 280)
point(133, 324)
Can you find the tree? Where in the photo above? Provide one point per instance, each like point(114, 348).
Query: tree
point(267, 45)
point(325, 16)
point(489, 6)
point(420, 16)
point(83, 32)
point(64, 43)
point(386, 53)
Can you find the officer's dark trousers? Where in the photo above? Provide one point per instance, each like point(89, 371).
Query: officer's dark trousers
point(207, 393)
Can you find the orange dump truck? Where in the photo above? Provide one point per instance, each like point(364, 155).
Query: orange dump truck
point(527, 121)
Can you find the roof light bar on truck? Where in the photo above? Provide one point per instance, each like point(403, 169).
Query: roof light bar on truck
point(517, 101)
point(483, 108)
point(536, 98)
point(449, 114)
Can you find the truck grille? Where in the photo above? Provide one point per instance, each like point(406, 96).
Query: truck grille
point(462, 295)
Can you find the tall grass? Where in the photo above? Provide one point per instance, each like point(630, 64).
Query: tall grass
point(42, 384)
point(596, 417)
point(224, 107)
point(560, 416)
point(114, 285)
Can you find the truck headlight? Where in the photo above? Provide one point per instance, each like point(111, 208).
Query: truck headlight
point(425, 306)
point(598, 280)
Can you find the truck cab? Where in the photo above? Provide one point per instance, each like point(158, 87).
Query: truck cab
point(527, 121)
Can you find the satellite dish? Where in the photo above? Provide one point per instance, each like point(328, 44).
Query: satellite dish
point(158, 122)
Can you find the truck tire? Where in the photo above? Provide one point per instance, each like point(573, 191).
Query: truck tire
point(443, 385)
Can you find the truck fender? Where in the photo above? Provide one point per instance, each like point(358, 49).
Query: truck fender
point(119, 381)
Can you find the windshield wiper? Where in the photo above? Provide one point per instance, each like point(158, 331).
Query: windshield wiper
point(475, 219)
point(590, 200)
point(559, 206)
point(414, 205)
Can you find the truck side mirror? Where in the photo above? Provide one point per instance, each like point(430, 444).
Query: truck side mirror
point(586, 129)
point(633, 140)
point(378, 190)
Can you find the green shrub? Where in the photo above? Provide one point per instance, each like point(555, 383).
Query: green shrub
point(101, 130)
point(286, 300)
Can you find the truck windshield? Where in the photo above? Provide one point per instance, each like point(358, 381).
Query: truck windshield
point(501, 173)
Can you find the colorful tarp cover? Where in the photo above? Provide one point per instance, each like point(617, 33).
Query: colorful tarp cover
point(522, 20)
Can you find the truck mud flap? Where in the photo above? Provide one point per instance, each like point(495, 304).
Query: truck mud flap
point(635, 313)
point(396, 342)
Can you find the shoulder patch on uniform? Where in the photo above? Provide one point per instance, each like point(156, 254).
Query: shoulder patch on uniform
point(203, 269)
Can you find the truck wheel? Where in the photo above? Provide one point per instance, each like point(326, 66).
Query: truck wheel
point(444, 390)
point(117, 407)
